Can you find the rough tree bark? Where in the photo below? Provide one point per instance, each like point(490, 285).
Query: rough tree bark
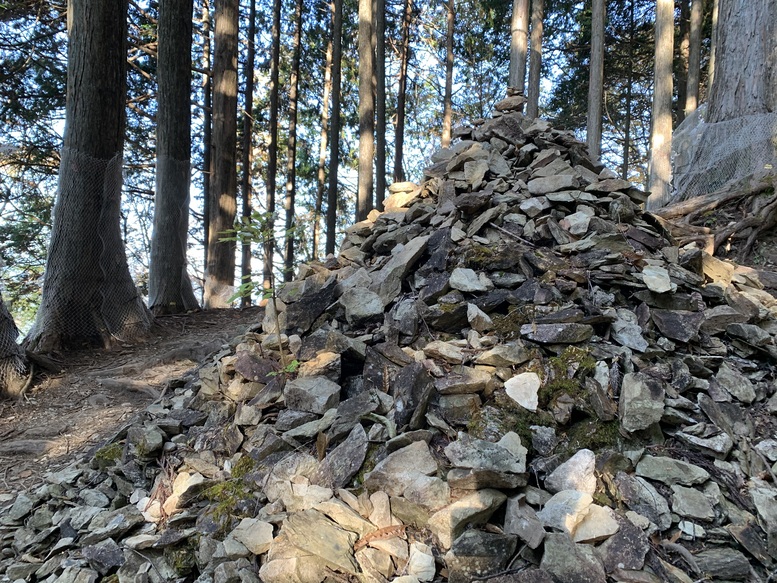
point(322, 150)
point(291, 160)
point(366, 111)
point(596, 79)
point(246, 182)
point(661, 130)
point(169, 287)
point(447, 116)
point(683, 57)
point(13, 364)
point(334, 150)
point(220, 272)
point(404, 58)
point(88, 295)
point(519, 39)
point(694, 58)
point(207, 114)
point(535, 59)
point(380, 103)
point(272, 147)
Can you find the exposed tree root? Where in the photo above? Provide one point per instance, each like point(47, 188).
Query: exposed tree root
point(755, 203)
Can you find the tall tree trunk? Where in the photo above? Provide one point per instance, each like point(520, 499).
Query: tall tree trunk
point(404, 58)
point(291, 160)
point(447, 116)
point(596, 79)
point(746, 62)
point(13, 364)
point(272, 147)
point(366, 111)
point(683, 54)
point(88, 295)
point(246, 186)
point(207, 126)
point(694, 58)
point(220, 273)
point(713, 43)
point(169, 287)
point(519, 40)
point(322, 149)
point(334, 142)
point(380, 104)
point(535, 59)
point(629, 83)
point(661, 128)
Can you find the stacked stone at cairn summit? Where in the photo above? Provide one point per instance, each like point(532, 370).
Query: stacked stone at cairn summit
point(511, 375)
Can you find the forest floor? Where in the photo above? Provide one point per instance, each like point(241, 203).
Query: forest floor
point(64, 416)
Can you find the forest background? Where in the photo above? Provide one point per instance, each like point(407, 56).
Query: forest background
point(418, 41)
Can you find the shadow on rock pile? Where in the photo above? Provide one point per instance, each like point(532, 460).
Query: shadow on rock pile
point(510, 375)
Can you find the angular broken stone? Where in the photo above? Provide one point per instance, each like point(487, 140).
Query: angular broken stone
point(311, 394)
point(565, 510)
point(473, 509)
point(641, 402)
point(523, 388)
point(671, 471)
point(562, 333)
point(468, 452)
point(577, 473)
point(399, 469)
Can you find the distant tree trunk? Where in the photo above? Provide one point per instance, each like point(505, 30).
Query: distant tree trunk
point(88, 295)
point(272, 146)
point(404, 59)
point(519, 40)
point(380, 104)
point(447, 116)
point(220, 274)
point(207, 114)
point(535, 59)
point(661, 129)
point(291, 160)
point(13, 365)
point(683, 54)
point(629, 83)
point(366, 112)
point(169, 287)
point(246, 186)
point(713, 43)
point(322, 150)
point(694, 58)
point(746, 61)
point(334, 151)
point(596, 79)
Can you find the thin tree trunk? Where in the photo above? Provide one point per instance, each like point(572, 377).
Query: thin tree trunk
point(380, 101)
point(322, 149)
point(220, 273)
point(272, 147)
point(694, 58)
point(170, 289)
point(246, 186)
point(661, 129)
point(13, 364)
point(519, 40)
point(88, 296)
point(630, 81)
point(291, 160)
point(713, 43)
point(447, 116)
point(334, 142)
point(207, 125)
point(596, 79)
point(683, 54)
point(399, 139)
point(366, 111)
point(535, 59)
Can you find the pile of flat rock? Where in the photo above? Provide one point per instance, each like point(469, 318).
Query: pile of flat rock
point(510, 375)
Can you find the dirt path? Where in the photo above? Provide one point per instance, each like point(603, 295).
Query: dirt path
point(65, 415)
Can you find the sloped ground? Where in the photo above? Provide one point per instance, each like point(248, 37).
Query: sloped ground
point(64, 416)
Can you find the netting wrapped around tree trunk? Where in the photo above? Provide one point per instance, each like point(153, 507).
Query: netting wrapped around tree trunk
point(708, 156)
point(88, 296)
point(12, 363)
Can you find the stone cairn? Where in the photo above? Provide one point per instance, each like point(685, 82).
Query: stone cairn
point(510, 375)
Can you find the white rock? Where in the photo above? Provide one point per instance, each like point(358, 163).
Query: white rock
point(444, 351)
point(523, 388)
point(255, 535)
point(566, 510)
point(597, 525)
point(577, 473)
point(478, 319)
point(421, 562)
point(466, 280)
point(657, 279)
